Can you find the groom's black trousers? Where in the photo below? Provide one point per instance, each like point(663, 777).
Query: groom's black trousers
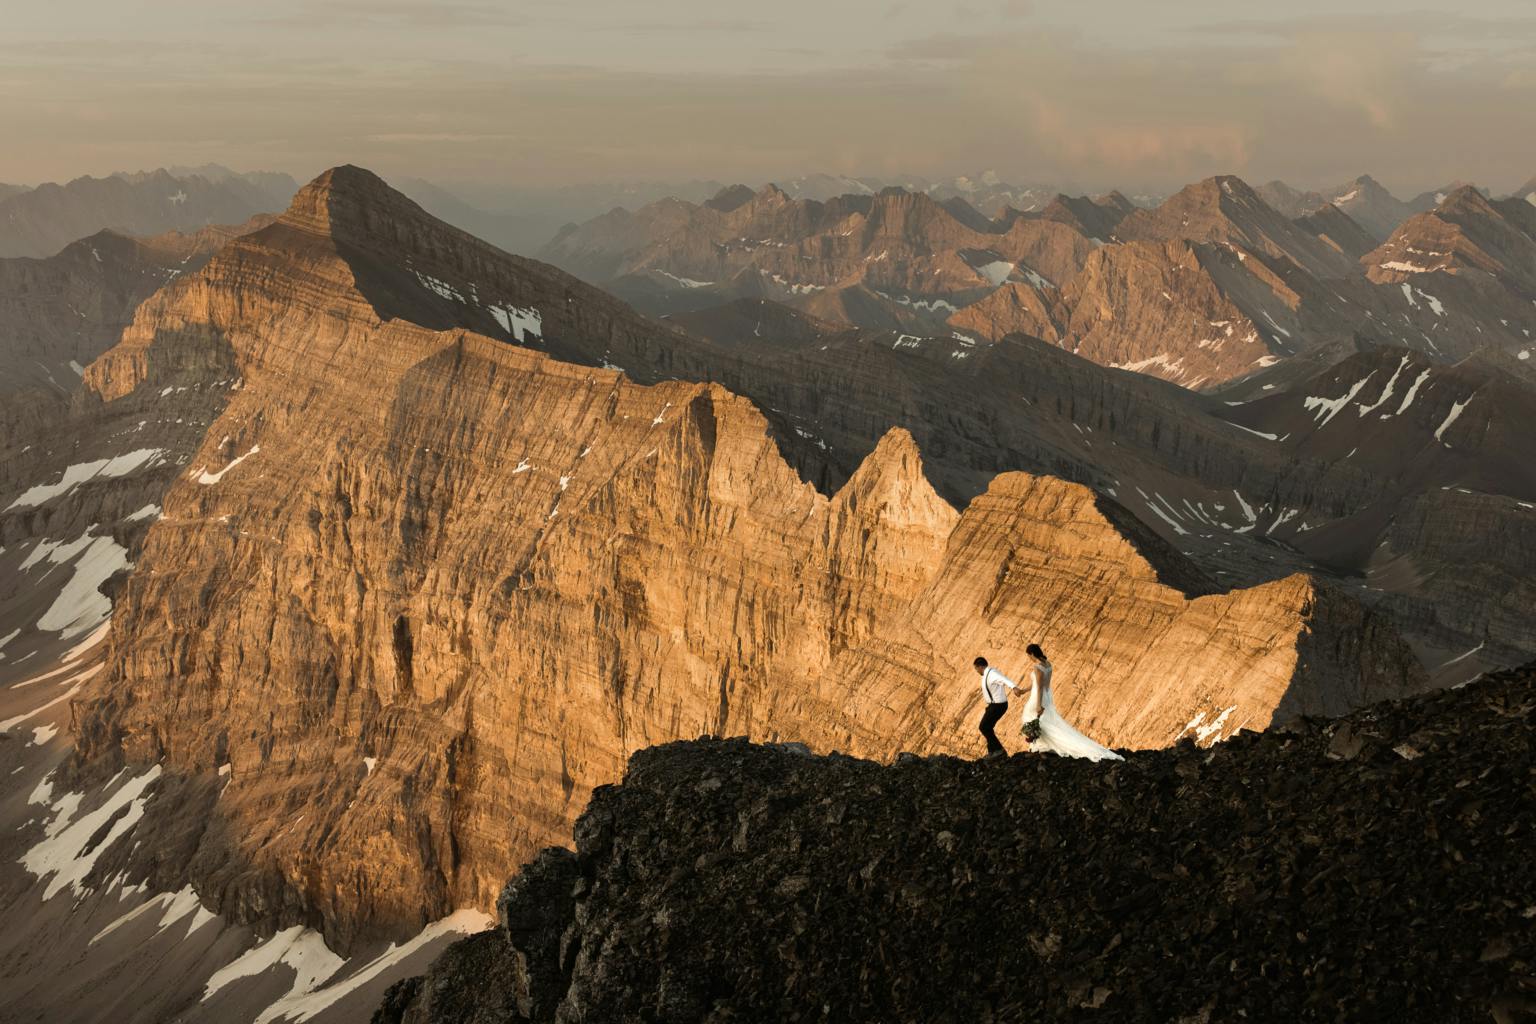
point(989, 718)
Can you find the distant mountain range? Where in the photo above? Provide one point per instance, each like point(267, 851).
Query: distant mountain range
point(523, 219)
point(43, 220)
point(1216, 283)
point(985, 191)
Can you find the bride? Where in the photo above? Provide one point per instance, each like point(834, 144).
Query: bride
point(1056, 735)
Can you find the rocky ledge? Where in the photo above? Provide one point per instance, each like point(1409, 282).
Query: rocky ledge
point(1374, 867)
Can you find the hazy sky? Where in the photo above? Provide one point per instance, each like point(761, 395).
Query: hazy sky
point(1089, 93)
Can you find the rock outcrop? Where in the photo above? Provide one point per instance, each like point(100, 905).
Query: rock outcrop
point(1378, 862)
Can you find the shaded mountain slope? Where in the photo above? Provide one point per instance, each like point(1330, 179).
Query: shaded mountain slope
point(1336, 229)
point(1371, 206)
point(1441, 501)
point(60, 313)
point(1093, 217)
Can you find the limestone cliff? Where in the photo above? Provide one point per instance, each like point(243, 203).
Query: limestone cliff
point(420, 589)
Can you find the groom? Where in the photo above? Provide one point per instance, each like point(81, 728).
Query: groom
point(994, 692)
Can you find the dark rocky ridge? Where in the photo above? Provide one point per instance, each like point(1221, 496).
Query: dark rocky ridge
point(1370, 868)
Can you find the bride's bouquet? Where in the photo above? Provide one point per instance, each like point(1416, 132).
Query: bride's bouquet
point(1031, 729)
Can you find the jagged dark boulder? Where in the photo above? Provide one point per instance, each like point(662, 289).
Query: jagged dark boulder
point(536, 909)
point(1376, 867)
point(474, 981)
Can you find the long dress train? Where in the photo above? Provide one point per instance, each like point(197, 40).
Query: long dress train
point(1056, 734)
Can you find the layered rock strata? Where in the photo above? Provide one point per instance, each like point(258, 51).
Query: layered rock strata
point(417, 584)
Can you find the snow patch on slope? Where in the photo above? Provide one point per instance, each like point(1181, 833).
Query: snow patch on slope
point(1386, 392)
point(80, 606)
point(1208, 730)
point(927, 305)
point(208, 479)
point(304, 952)
point(686, 282)
point(1325, 409)
point(995, 272)
point(74, 476)
point(177, 906)
point(1449, 419)
point(1413, 390)
point(519, 322)
point(67, 852)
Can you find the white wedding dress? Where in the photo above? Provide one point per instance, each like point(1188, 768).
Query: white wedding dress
point(1056, 734)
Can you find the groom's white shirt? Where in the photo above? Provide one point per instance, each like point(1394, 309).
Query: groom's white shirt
point(995, 686)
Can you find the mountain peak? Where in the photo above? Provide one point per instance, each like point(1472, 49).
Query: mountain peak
point(891, 478)
point(351, 203)
point(773, 193)
point(346, 178)
point(1466, 197)
point(1206, 194)
point(1361, 190)
point(346, 185)
point(1225, 208)
point(1236, 188)
point(730, 198)
point(1209, 192)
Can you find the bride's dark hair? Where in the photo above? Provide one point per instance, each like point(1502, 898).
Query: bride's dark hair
point(1034, 651)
